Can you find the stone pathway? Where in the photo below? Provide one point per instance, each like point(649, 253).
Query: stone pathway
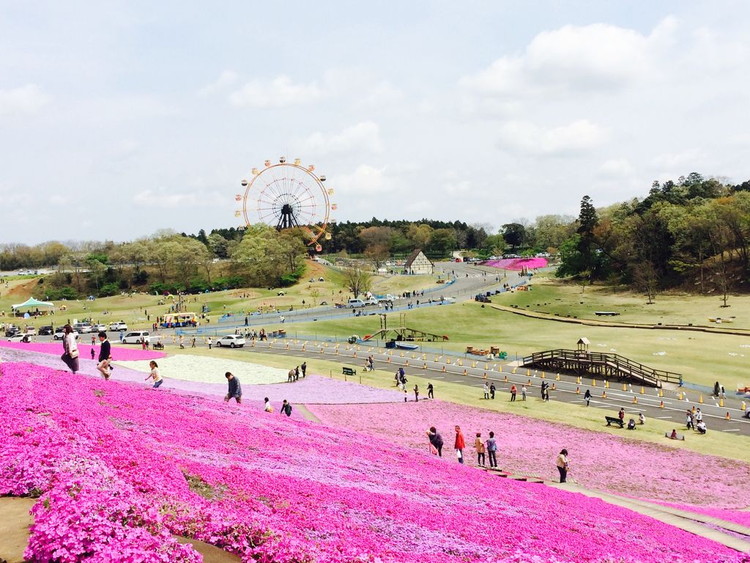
point(727, 533)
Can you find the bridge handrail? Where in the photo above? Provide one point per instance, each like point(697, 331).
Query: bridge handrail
point(619, 361)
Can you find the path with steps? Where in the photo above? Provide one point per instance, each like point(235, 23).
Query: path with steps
point(730, 534)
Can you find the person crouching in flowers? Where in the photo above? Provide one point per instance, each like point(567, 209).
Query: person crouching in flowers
point(155, 374)
point(562, 464)
point(436, 441)
point(234, 391)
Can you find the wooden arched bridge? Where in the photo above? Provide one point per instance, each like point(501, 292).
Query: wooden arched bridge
point(608, 366)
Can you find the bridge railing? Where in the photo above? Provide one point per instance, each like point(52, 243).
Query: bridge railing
point(615, 360)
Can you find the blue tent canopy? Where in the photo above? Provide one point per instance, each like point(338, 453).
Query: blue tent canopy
point(31, 302)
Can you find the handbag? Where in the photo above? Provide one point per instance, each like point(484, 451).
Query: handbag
point(73, 353)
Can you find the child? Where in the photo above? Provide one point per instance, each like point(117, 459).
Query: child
point(155, 374)
point(93, 353)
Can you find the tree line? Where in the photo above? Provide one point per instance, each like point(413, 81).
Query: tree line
point(692, 231)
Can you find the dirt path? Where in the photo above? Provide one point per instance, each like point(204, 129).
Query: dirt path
point(14, 534)
point(597, 322)
point(14, 527)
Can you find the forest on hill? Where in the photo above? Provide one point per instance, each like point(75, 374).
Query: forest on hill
point(690, 233)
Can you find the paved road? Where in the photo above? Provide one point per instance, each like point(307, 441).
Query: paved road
point(567, 388)
point(465, 281)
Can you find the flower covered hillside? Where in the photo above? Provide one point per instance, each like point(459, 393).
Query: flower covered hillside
point(119, 469)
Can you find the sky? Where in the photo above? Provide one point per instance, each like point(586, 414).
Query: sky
point(119, 119)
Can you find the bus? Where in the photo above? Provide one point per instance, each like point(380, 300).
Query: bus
point(172, 320)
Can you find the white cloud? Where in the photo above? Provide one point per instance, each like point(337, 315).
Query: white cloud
point(363, 137)
point(458, 187)
point(572, 59)
point(165, 199)
point(525, 137)
point(280, 92)
point(616, 168)
point(27, 99)
point(597, 56)
point(226, 79)
point(366, 180)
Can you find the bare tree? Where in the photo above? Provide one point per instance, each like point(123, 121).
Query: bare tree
point(357, 281)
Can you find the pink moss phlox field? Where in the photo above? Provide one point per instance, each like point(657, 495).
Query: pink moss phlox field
point(529, 446)
point(518, 263)
point(119, 468)
point(119, 353)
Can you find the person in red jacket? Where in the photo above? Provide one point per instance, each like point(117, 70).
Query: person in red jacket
point(460, 444)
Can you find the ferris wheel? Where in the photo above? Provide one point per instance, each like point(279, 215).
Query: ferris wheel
point(288, 195)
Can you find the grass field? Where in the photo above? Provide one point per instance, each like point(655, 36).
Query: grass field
point(702, 358)
point(721, 443)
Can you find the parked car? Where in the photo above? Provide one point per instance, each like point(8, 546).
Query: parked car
point(11, 330)
point(135, 337)
point(371, 301)
point(30, 330)
point(20, 337)
point(118, 325)
point(231, 340)
point(99, 328)
point(59, 334)
point(46, 330)
point(82, 328)
point(355, 303)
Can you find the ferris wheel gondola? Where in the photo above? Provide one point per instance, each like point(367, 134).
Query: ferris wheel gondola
point(288, 195)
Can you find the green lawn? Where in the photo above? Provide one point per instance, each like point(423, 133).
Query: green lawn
point(702, 358)
point(549, 295)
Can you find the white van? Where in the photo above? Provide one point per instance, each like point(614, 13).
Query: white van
point(354, 303)
point(135, 337)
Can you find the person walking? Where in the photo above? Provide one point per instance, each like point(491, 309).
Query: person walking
point(105, 355)
point(523, 392)
point(513, 391)
point(689, 420)
point(70, 349)
point(436, 440)
point(492, 390)
point(430, 391)
point(587, 397)
point(209, 342)
point(235, 390)
point(492, 450)
point(486, 389)
point(303, 367)
point(459, 444)
point(621, 415)
point(562, 464)
point(479, 446)
point(416, 393)
point(158, 380)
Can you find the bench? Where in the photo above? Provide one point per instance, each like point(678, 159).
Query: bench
point(606, 313)
point(614, 420)
point(348, 371)
point(679, 436)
